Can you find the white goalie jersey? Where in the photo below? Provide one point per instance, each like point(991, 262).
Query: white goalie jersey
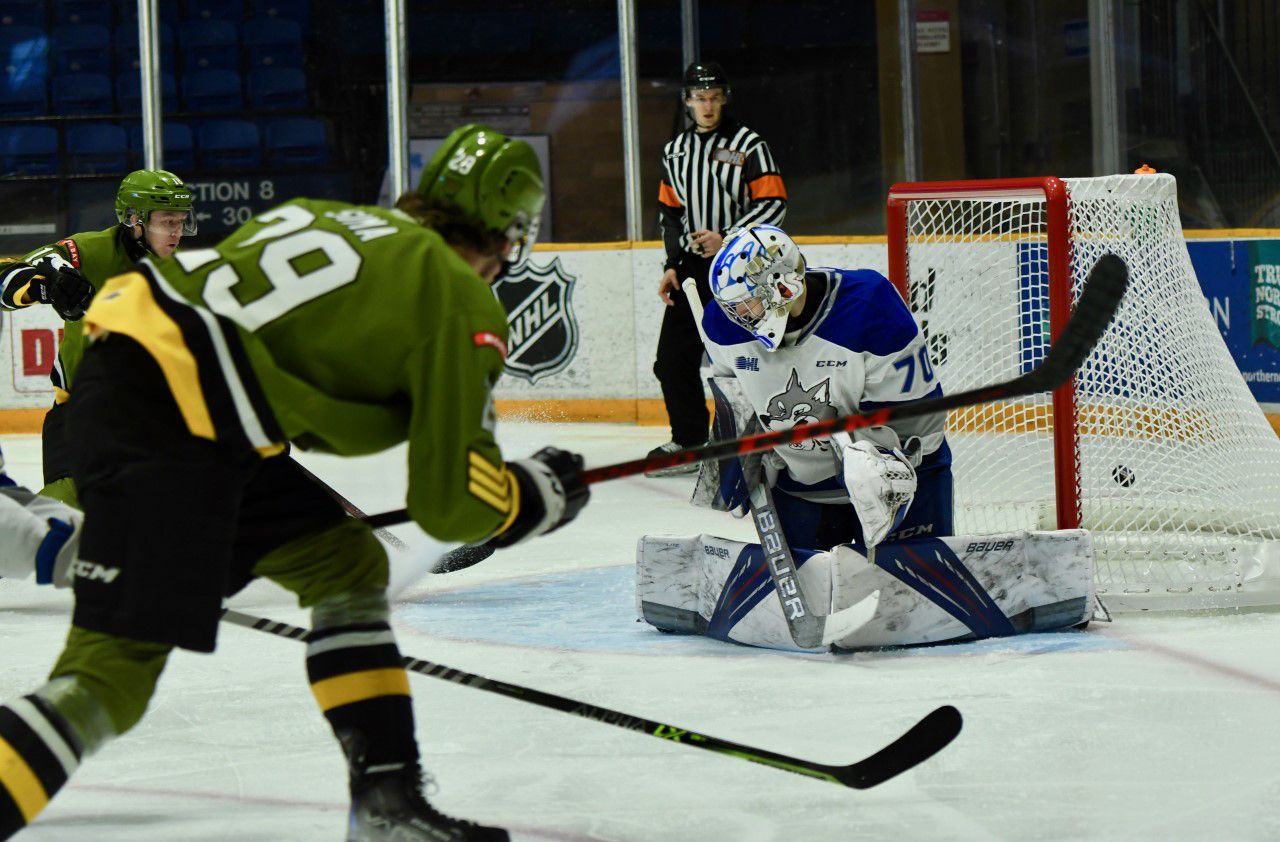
point(37, 534)
point(861, 351)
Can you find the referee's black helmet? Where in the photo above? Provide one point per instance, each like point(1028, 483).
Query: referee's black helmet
point(702, 76)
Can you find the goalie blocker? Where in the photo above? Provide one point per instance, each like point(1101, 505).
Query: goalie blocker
point(928, 590)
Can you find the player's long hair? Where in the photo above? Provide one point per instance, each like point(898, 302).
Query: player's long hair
point(452, 224)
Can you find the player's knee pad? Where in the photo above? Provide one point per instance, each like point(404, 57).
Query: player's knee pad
point(341, 560)
point(353, 608)
point(107, 674)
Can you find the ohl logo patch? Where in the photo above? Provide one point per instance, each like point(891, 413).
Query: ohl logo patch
point(543, 327)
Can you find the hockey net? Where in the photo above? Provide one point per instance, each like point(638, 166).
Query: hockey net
point(1157, 446)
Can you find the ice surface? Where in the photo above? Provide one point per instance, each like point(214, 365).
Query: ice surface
point(1155, 727)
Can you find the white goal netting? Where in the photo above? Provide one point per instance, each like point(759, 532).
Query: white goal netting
point(1171, 462)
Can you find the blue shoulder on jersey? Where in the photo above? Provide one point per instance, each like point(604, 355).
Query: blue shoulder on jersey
point(722, 330)
point(868, 315)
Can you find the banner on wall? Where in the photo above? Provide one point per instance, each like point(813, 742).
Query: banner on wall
point(1240, 280)
point(1264, 276)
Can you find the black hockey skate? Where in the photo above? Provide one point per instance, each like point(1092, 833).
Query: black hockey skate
point(388, 806)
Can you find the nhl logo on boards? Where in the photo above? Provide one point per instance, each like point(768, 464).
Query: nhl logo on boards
point(543, 328)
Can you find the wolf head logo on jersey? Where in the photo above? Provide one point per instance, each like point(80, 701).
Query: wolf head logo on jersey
point(798, 404)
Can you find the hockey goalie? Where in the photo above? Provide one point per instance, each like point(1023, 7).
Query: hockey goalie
point(856, 547)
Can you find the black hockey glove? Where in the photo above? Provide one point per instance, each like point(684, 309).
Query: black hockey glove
point(551, 494)
point(57, 283)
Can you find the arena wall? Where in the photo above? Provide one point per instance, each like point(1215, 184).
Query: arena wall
point(587, 321)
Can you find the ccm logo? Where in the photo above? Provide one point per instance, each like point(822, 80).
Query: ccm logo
point(92, 571)
point(831, 363)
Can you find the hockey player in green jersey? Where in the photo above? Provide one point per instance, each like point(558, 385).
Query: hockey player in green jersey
point(153, 211)
point(330, 326)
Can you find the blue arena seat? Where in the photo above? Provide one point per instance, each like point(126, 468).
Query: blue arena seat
point(82, 11)
point(209, 45)
point(272, 42)
point(22, 13)
point(298, 11)
point(212, 10)
point(206, 91)
point(97, 149)
point(81, 48)
point(297, 142)
point(24, 54)
point(126, 47)
point(28, 150)
point(228, 145)
point(278, 89)
point(83, 93)
point(129, 92)
point(29, 98)
point(179, 146)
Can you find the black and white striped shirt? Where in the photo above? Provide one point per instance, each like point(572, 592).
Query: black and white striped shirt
point(718, 180)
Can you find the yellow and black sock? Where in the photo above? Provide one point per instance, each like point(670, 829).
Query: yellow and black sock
point(38, 753)
point(359, 682)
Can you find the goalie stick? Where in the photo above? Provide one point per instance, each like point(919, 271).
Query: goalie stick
point(808, 629)
point(923, 740)
point(1093, 313)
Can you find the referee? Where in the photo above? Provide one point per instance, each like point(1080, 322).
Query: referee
point(717, 175)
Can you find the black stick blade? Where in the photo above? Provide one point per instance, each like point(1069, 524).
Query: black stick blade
point(1099, 300)
point(928, 737)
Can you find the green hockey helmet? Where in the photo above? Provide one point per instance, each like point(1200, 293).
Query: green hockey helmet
point(144, 191)
point(494, 180)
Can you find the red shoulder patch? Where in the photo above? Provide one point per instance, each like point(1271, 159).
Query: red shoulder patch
point(70, 246)
point(485, 337)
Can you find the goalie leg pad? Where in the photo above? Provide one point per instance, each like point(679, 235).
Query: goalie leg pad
point(721, 588)
point(1013, 583)
point(967, 587)
point(724, 484)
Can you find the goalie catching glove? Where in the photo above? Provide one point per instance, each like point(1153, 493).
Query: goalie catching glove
point(881, 482)
point(551, 494)
point(56, 282)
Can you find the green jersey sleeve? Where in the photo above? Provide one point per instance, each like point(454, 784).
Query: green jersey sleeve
point(459, 487)
point(98, 255)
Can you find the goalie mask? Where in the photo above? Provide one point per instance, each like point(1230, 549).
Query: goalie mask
point(756, 278)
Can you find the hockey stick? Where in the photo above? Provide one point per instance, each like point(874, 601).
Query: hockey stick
point(1094, 311)
point(808, 630)
point(456, 559)
point(923, 740)
point(351, 508)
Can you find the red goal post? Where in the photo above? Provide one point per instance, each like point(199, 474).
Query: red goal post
point(1156, 446)
point(1054, 194)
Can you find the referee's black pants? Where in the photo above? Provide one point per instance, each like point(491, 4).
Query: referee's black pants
point(679, 360)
